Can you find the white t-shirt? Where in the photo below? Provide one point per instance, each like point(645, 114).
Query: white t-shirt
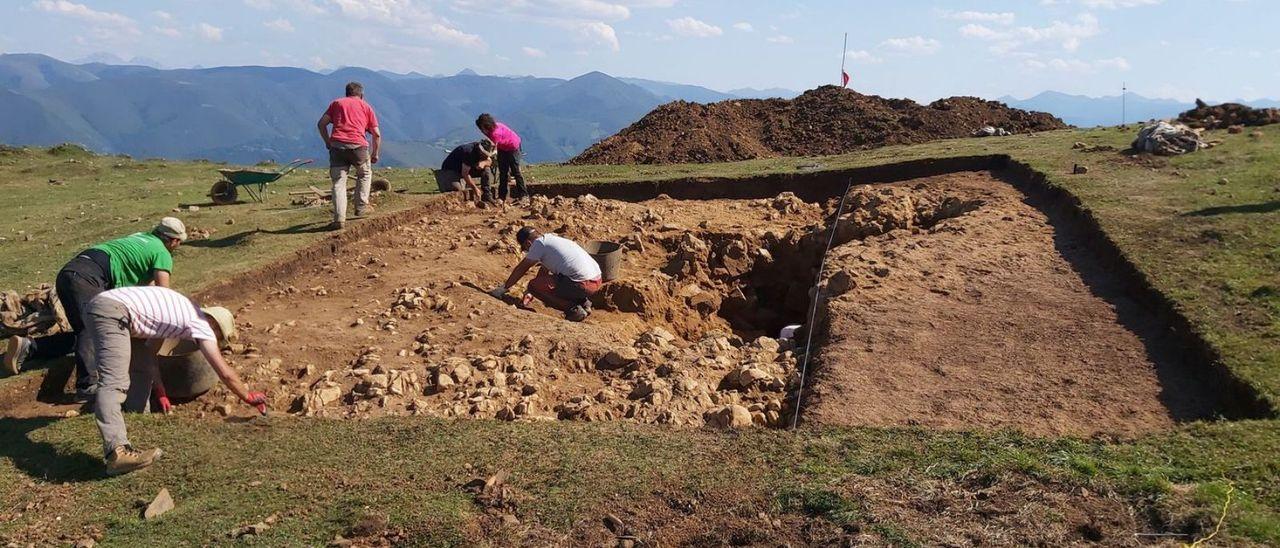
point(160, 313)
point(564, 256)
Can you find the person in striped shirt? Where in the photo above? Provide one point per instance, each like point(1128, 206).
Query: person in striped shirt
point(117, 316)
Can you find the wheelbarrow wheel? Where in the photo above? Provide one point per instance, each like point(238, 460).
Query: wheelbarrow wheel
point(223, 193)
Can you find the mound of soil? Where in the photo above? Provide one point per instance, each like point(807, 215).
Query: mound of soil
point(1225, 115)
point(823, 121)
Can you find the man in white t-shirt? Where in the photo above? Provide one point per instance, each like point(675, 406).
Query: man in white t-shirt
point(568, 277)
point(112, 320)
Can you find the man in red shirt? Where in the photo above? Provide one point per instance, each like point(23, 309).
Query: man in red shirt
point(351, 118)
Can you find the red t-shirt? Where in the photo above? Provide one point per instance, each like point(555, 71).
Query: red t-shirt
point(352, 118)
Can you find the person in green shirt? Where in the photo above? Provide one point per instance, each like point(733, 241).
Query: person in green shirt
point(145, 258)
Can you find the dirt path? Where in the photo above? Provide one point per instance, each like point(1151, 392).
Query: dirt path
point(1001, 317)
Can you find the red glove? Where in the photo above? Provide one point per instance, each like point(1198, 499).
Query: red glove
point(158, 389)
point(257, 400)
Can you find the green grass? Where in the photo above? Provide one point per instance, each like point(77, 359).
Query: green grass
point(1214, 248)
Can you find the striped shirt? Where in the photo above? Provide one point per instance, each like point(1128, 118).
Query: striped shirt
point(161, 313)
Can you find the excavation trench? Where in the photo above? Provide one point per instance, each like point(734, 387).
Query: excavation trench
point(949, 300)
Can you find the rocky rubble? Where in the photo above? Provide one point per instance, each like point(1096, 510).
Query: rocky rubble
point(1228, 116)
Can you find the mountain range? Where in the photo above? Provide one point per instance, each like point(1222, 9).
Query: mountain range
point(249, 114)
point(1084, 111)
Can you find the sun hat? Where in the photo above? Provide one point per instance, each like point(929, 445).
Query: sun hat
point(172, 227)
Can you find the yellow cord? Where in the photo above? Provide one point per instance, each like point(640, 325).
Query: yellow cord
point(1231, 489)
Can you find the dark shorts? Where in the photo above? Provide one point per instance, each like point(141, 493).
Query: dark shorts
point(448, 180)
point(343, 156)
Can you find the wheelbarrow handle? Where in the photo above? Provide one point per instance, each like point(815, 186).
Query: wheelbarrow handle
point(294, 165)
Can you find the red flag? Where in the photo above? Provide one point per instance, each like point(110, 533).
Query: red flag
point(844, 77)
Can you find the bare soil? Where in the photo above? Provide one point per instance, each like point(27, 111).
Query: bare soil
point(1000, 317)
point(824, 121)
point(949, 302)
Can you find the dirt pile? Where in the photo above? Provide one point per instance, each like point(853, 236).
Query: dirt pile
point(823, 121)
point(1226, 115)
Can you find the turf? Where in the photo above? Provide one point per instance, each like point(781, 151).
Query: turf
point(1205, 229)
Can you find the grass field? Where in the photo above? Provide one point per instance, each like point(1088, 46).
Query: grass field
point(1205, 228)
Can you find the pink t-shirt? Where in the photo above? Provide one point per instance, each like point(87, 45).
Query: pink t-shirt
point(352, 118)
point(504, 138)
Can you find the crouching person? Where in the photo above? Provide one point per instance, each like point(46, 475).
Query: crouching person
point(463, 166)
point(567, 279)
point(113, 319)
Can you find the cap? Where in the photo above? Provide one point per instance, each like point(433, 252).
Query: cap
point(488, 147)
point(226, 322)
point(523, 235)
point(172, 227)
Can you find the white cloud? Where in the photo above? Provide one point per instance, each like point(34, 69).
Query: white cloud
point(1000, 18)
point(780, 39)
point(862, 56)
point(533, 52)
point(82, 12)
point(282, 25)
point(914, 45)
point(410, 18)
point(592, 9)
point(1067, 34)
point(163, 15)
point(167, 31)
point(744, 26)
point(1116, 4)
point(597, 32)
point(209, 32)
point(688, 26)
point(1077, 66)
point(310, 7)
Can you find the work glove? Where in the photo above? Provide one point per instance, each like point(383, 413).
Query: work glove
point(258, 400)
point(498, 292)
point(165, 406)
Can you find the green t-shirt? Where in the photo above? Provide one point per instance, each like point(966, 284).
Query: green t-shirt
point(135, 256)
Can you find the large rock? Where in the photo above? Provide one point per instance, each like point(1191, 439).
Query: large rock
point(729, 416)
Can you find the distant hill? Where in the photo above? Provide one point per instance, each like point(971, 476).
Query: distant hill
point(249, 114)
point(1084, 111)
point(770, 93)
point(680, 92)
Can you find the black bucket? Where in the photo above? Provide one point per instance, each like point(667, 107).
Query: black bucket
point(184, 371)
point(609, 256)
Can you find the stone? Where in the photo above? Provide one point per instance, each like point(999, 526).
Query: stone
point(619, 358)
point(729, 416)
point(767, 344)
point(461, 373)
point(162, 503)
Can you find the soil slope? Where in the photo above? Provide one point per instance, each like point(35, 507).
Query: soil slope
point(823, 121)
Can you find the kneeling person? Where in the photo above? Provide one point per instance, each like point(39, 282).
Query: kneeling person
point(463, 165)
point(116, 316)
point(568, 277)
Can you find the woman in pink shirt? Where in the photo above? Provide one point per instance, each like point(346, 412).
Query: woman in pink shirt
point(509, 154)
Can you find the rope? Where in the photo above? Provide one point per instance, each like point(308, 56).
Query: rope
point(813, 308)
point(1231, 489)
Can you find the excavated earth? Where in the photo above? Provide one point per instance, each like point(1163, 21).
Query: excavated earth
point(948, 302)
point(823, 121)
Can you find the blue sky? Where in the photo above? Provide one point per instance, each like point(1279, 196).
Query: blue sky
point(1218, 50)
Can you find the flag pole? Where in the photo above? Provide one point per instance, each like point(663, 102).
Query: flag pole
point(843, 49)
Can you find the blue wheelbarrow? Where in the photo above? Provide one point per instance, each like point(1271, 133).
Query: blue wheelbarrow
point(254, 182)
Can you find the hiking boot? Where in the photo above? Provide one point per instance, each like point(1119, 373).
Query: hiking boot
point(577, 314)
point(337, 225)
point(126, 459)
point(16, 352)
